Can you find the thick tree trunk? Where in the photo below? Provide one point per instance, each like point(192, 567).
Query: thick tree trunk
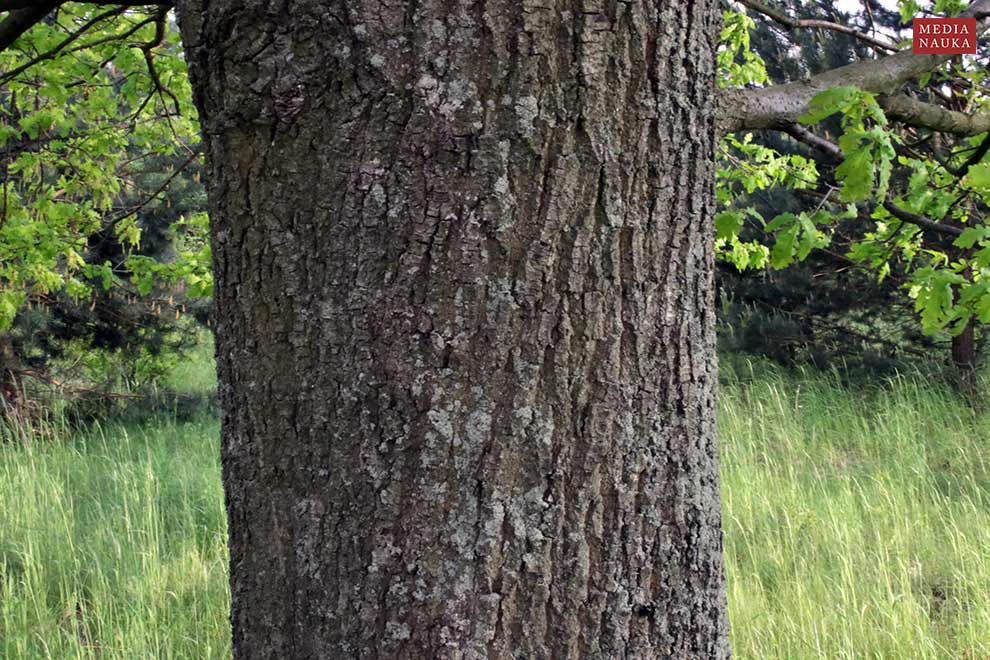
point(464, 277)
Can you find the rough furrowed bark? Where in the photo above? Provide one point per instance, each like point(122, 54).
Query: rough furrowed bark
point(464, 277)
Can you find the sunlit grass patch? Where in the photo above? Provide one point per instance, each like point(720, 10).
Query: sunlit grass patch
point(857, 521)
point(857, 525)
point(112, 544)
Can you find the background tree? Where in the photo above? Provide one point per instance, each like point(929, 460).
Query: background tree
point(827, 309)
point(97, 131)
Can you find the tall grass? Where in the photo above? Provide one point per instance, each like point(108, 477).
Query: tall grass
point(857, 525)
point(112, 545)
point(857, 521)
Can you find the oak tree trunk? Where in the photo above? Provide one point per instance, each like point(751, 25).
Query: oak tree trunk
point(464, 287)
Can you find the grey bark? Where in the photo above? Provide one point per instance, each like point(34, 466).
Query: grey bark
point(911, 111)
point(464, 281)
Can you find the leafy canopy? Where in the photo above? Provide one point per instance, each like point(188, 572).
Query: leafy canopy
point(919, 197)
point(87, 97)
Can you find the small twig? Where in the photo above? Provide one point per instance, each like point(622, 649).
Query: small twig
point(802, 134)
point(112, 37)
point(814, 23)
point(75, 389)
point(195, 154)
point(974, 158)
point(149, 58)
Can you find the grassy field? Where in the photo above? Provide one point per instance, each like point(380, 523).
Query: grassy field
point(857, 526)
point(112, 546)
point(857, 523)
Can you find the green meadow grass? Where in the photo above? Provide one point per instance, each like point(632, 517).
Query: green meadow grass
point(112, 546)
point(857, 525)
point(857, 521)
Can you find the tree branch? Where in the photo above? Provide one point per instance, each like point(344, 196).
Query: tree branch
point(975, 157)
point(920, 220)
point(901, 214)
point(14, 5)
point(802, 134)
point(22, 15)
point(814, 23)
point(781, 105)
point(113, 37)
point(149, 58)
point(51, 54)
point(829, 148)
point(20, 21)
point(130, 3)
point(832, 150)
point(913, 112)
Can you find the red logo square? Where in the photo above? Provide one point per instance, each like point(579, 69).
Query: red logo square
point(944, 36)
